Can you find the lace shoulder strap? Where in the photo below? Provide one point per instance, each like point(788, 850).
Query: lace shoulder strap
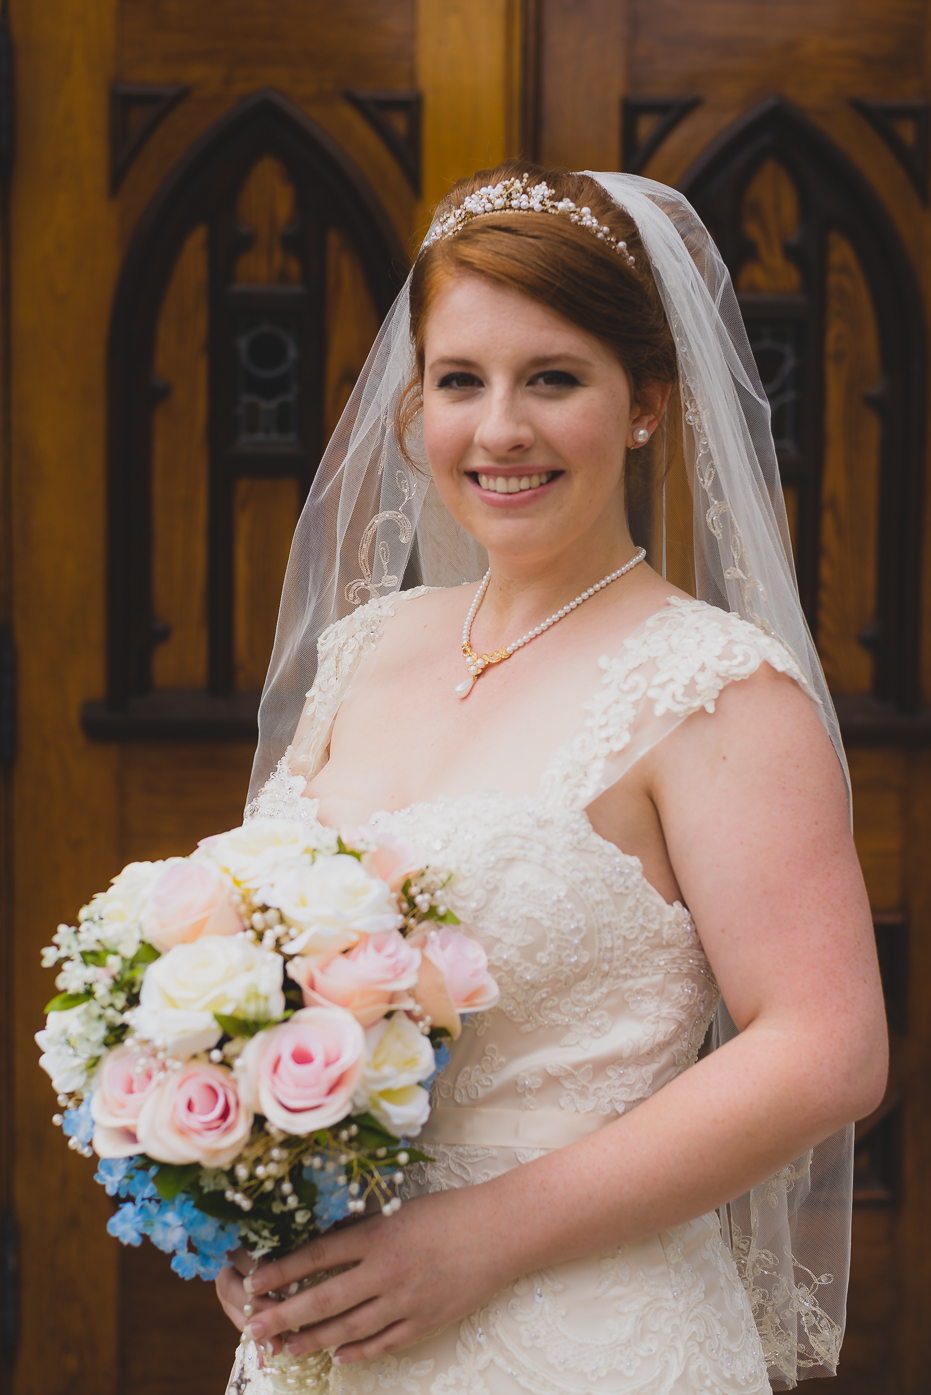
point(340, 649)
point(674, 664)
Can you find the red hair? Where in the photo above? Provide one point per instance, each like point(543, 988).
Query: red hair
point(556, 262)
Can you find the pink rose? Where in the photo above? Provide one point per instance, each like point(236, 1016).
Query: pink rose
point(301, 1074)
point(453, 978)
point(188, 899)
point(369, 980)
point(195, 1115)
point(393, 861)
point(124, 1080)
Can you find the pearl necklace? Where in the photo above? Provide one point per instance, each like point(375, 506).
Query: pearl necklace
point(477, 663)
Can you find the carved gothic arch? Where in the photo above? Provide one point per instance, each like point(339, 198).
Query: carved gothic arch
point(834, 194)
point(203, 182)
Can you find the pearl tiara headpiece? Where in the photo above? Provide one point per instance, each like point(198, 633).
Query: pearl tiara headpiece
point(513, 196)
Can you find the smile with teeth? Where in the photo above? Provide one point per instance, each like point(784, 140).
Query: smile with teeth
point(514, 484)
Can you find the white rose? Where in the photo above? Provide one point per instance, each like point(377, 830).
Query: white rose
point(71, 1041)
point(123, 903)
point(261, 849)
point(182, 991)
point(331, 903)
point(398, 1058)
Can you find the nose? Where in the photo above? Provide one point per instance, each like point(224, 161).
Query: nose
point(503, 428)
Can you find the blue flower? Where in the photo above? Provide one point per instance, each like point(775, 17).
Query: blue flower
point(124, 1225)
point(141, 1185)
point(113, 1173)
point(168, 1231)
point(332, 1203)
point(190, 1266)
point(78, 1123)
point(199, 1243)
point(441, 1056)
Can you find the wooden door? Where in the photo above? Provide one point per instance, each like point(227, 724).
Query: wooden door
point(208, 209)
point(800, 133)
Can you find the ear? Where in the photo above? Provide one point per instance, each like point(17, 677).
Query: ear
point(647, 412)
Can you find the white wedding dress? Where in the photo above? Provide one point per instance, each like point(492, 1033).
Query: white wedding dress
point(606, 994)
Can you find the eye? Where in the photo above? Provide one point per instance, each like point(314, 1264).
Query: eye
point(555, 377)
point(459, 380)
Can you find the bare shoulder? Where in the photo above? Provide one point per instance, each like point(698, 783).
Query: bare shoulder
point(762, 761)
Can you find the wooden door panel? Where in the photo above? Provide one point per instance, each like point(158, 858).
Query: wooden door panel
point(180, 473)
point(850, 479)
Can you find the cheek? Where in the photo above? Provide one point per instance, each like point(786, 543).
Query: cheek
point(446, 435)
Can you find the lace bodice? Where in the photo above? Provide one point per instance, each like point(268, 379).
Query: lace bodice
point(606, 994)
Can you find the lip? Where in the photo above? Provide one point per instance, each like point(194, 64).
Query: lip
point(510, 501)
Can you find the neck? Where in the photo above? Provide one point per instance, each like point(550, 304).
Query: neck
point(522, 591)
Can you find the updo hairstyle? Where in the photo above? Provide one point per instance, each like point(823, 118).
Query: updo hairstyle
point(564, 266)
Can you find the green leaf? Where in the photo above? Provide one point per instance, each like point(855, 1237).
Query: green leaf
point(172, 1178)
point(146, 954)
point(448, 919)
point(97, 957)
point(235, 1026)
point(215, 1204)
point(63, 1001)
point(349, 852)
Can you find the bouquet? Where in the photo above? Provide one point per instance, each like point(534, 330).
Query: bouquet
point(246, 1037)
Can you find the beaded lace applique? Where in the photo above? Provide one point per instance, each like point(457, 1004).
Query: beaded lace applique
point(606, 994)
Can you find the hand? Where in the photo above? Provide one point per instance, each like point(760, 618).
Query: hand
point(236, 1302)
point(437, 1259)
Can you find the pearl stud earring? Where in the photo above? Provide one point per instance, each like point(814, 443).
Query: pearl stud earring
point(641, 435)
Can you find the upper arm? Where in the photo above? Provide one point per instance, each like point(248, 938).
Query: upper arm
point(753, 807)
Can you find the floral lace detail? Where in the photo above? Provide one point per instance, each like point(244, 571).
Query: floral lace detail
point(606, 994)
point(675, 664)
point(280, 797)
point(473, 1081)
point(783, 1292)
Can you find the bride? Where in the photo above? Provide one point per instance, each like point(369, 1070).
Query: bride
point(638, 799)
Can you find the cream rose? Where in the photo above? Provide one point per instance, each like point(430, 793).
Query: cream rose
point(188, 899)
point(124, 1080)
point(369, 980)
point(301, 1075)
point(330, 904)
point(261, 849)
point(182, 991)
point(399, 1059)
point(123, 903)
point(195, 1116)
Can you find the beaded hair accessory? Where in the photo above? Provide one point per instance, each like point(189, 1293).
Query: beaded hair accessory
point(513, 196)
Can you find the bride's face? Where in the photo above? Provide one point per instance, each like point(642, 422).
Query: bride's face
point(526, 418)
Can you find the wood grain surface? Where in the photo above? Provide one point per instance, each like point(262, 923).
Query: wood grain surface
point(179, 473)
point(99, 1320)
point(64, 238)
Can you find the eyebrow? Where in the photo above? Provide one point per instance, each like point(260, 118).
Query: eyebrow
point(545, 361)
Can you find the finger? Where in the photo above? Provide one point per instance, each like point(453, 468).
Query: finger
point(394, 1338)
point(234, 1300)
point(307, 1308)
point(324, 1252)
point(242, 1260)
point(356, 1325)
point(272, 1347)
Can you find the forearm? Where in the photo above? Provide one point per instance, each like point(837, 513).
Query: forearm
point(709, 1135)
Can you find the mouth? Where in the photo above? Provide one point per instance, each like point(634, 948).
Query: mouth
point(529, 483)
